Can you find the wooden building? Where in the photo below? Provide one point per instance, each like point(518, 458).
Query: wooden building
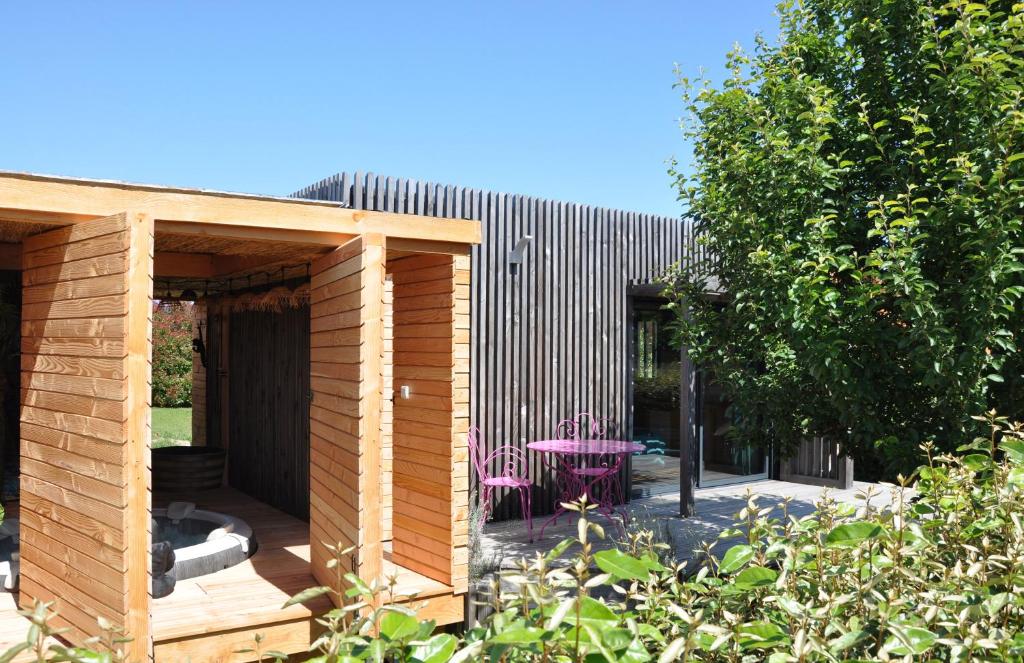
point(563, 296)
point(387, 348)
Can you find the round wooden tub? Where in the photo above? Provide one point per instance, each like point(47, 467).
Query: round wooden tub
point(187, 469)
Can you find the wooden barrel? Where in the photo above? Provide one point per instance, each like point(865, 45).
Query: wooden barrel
point(187, 469)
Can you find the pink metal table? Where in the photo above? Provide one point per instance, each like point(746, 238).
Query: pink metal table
point(582, 465)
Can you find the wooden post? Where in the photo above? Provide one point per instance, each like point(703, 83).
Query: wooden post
point(85, 426)
point(346, 348)
point(690, 438)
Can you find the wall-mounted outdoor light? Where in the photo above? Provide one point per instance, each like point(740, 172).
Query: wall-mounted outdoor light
point(515, 259)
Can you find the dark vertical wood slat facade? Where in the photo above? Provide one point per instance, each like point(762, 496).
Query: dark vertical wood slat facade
point(553, 338)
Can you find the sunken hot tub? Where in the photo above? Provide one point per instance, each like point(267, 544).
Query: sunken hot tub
point(203, 541)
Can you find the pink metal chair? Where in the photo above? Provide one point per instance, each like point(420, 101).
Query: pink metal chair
point(604, 474)
point(511, 472)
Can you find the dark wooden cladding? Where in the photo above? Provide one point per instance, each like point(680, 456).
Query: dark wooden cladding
point(264, 380)
point(552, 339)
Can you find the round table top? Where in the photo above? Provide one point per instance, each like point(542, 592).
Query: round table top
point(589, 447)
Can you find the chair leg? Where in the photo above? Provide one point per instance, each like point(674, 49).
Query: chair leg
point(524, 505)
point(529, 510)
point(486, 510)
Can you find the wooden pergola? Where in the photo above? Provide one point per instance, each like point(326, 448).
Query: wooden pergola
point(89, 251)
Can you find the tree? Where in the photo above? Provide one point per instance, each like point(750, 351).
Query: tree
point(172, 354)
point(859, 185)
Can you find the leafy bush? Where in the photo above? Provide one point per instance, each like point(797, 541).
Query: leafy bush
point(932, 572)
point(860, 185)
point(172, 355)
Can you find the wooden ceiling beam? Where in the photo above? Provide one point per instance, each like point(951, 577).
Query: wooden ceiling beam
point(174, 264)
point(10, 256)
point(66, 200)
point(279, 234)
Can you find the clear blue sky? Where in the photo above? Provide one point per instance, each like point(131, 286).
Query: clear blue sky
point(567, 100)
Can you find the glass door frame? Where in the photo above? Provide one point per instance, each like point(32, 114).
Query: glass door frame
point(700, 380)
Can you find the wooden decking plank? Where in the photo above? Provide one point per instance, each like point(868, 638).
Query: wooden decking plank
point(247, 598)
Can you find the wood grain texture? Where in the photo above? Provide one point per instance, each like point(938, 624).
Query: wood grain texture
point(345, 413)
point(85, 502)
point(429, 483)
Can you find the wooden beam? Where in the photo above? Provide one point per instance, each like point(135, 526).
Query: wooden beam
point(427, 246)
point(170, 264)
point(65, 199)
point(10, 256)
point(173, 264)
point(138, 512)
point(279, 234)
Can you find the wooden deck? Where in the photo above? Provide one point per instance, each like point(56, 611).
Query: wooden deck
point(211, 617)
point(505, 543)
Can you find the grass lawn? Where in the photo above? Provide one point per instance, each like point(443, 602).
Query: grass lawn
point(171, 424)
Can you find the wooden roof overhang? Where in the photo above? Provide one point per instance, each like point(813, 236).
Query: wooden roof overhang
point(204, 234)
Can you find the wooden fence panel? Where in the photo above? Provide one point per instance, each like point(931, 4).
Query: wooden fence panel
point(818, 462)
point(85, 491)
point(347, 294)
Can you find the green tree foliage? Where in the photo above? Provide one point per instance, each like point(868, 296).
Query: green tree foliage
point(172, 355)
point(860, 184)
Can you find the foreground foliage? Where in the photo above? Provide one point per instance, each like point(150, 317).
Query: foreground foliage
point(860, 185)
point(933, 572)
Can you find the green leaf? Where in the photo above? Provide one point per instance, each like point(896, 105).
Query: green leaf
point(623, 566)
point(755, 576)
point(673, 651)
point(909, 640)
point(437, 649)
point(846, 640)
point(1014, 449)
point(518, 635)
point(761, 635)
point(851, 534)
point(306, 595)
point(977, 462)
point(594, 613)
point(736, 558)
point(398, 625)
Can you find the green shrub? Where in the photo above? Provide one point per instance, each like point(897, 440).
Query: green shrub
point(172, 355)
point(932, 572)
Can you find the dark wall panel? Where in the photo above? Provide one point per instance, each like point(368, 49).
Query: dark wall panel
point(553, 338)
point(267, 385)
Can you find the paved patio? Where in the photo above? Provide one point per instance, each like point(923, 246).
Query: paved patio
point(505, 543)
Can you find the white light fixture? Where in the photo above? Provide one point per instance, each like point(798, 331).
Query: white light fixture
point(515, 259)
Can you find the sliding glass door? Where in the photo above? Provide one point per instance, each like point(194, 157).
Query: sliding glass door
point(723, 460)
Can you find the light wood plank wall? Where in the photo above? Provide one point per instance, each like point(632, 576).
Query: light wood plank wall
point(346, 348)
point(387, 409)
point(430, 472)
point(85, 438)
